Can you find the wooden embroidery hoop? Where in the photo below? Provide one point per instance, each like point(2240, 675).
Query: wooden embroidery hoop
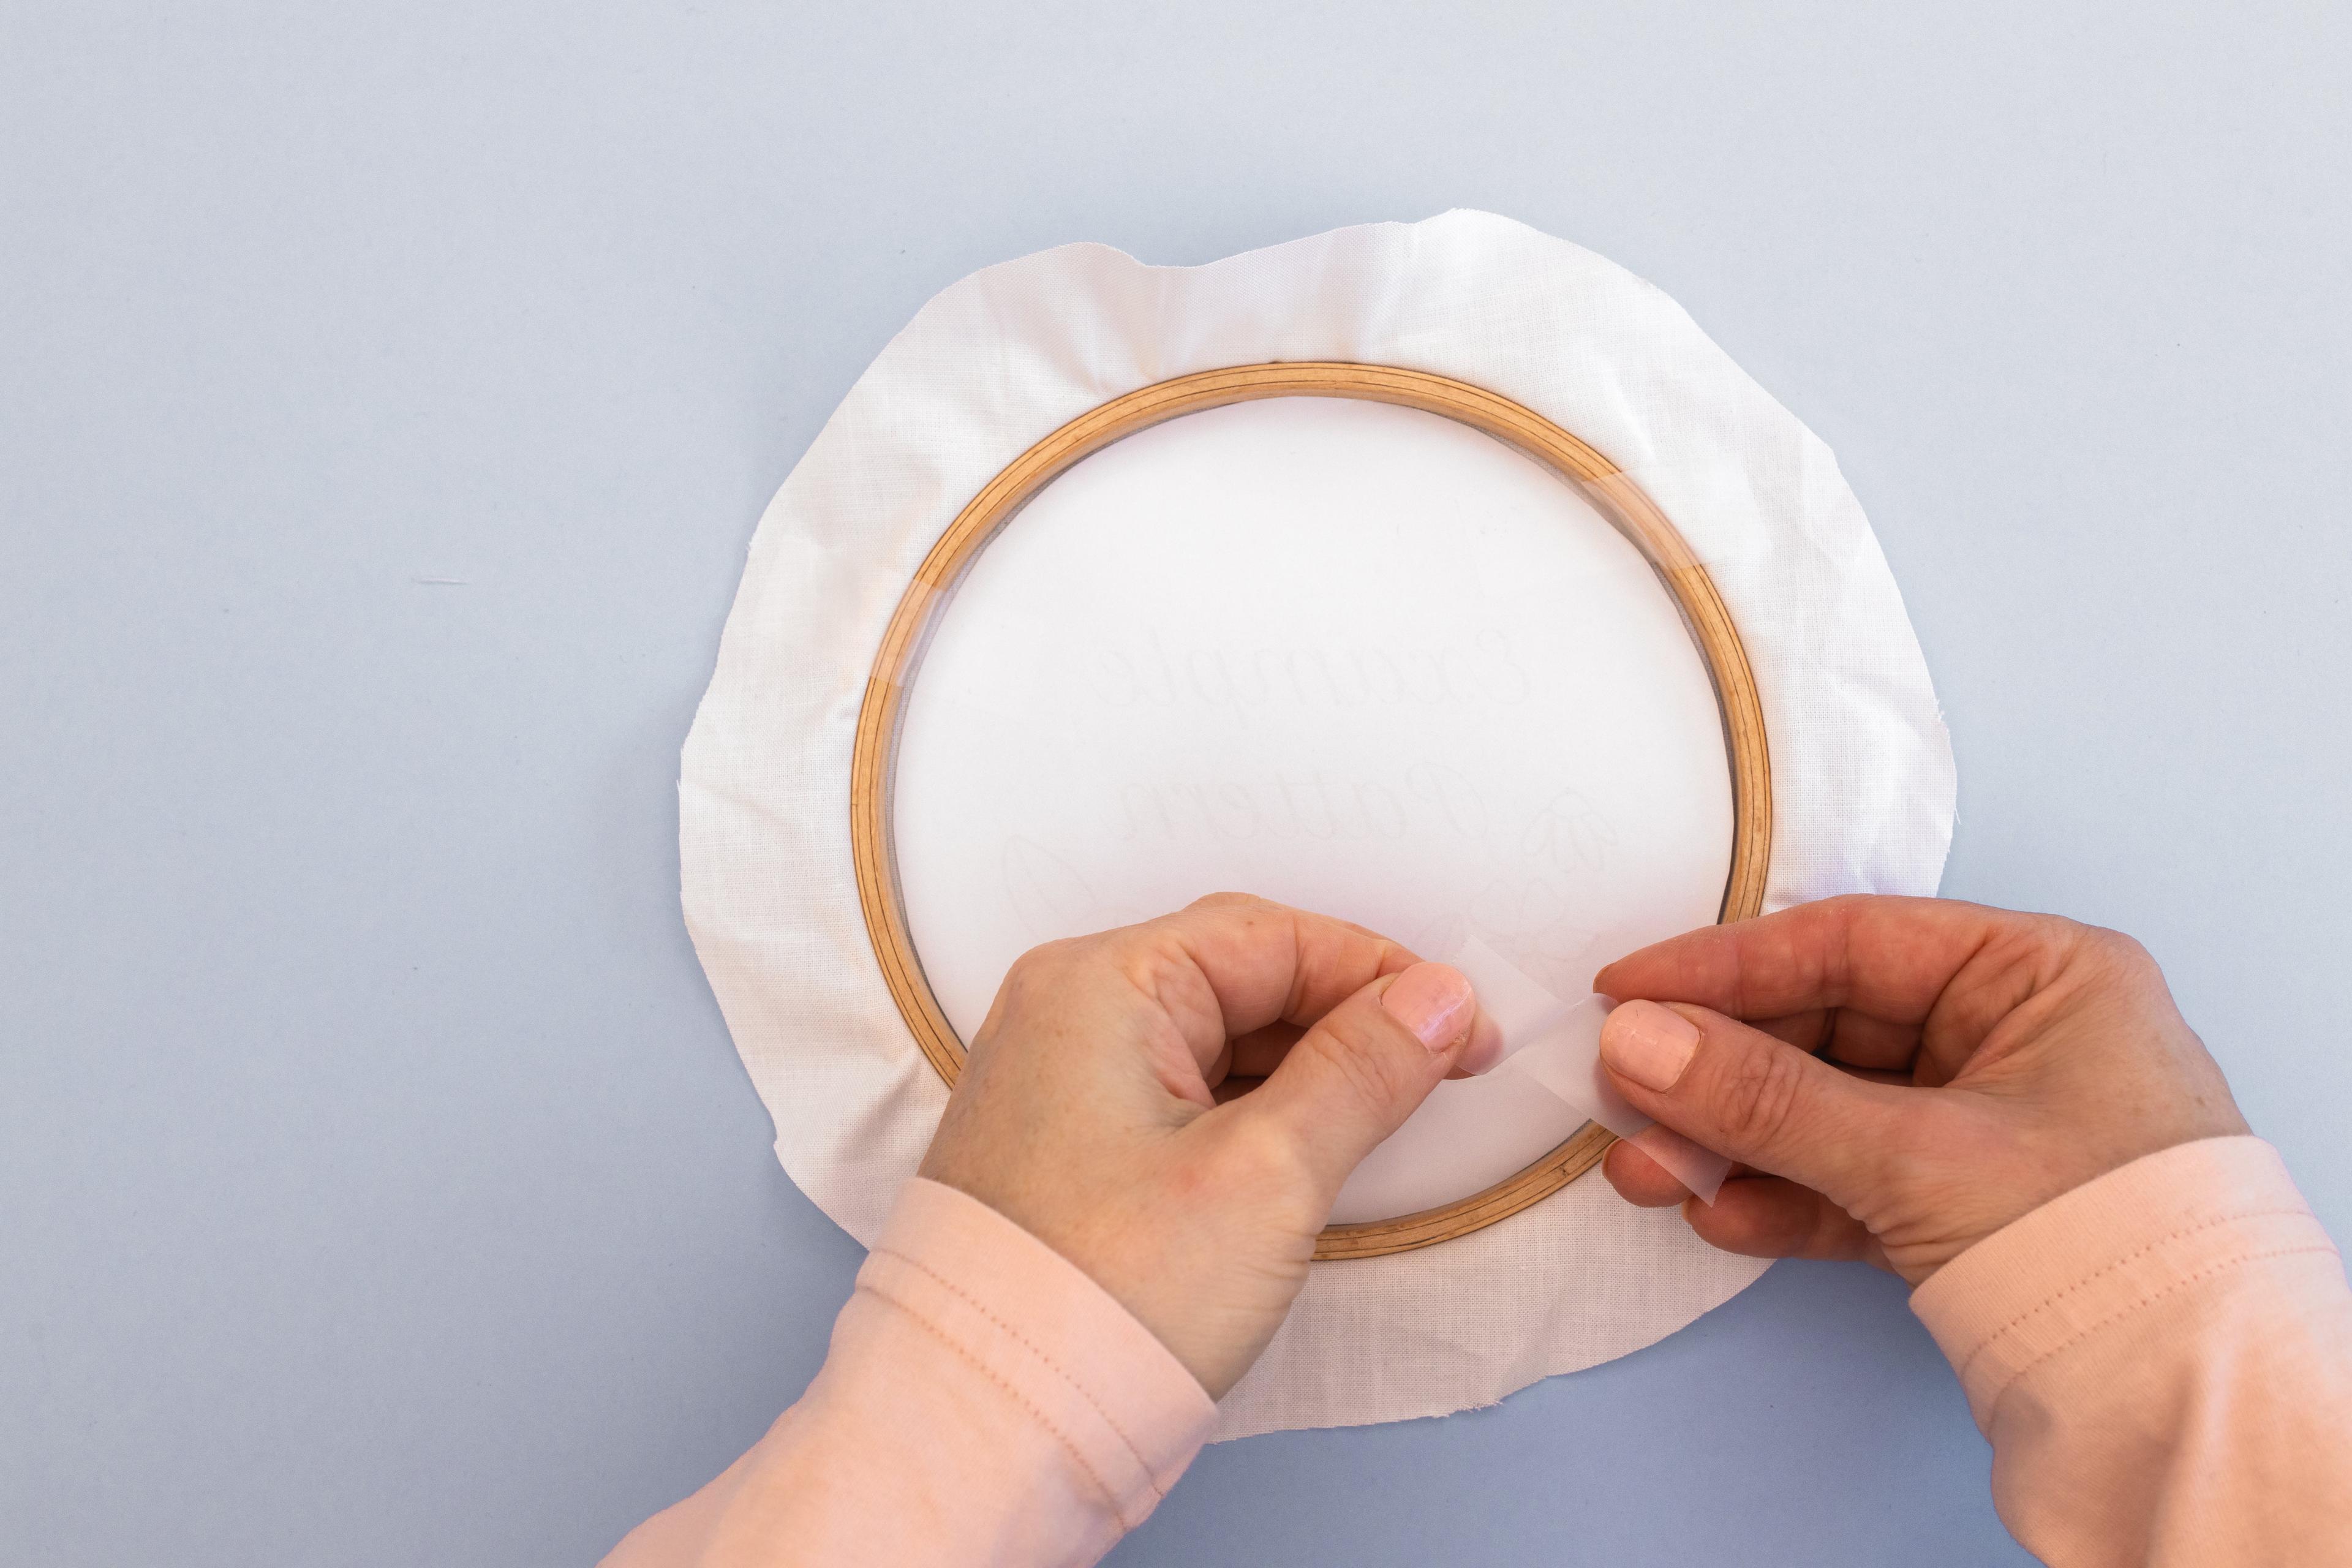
point(874, 757)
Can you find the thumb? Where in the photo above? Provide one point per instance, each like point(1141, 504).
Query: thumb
point(1752, 1098)
point(1366, 1066)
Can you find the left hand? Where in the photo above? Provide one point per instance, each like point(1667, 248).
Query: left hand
point(1090, 1110)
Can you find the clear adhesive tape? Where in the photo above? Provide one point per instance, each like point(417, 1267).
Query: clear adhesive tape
point(1555, 1045)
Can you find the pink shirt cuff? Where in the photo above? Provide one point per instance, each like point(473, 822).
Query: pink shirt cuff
point(2088, 1262)
point(1130, 1415)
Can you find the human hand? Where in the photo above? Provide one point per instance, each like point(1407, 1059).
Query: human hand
point(1914, 1073)
point(1096, 1108)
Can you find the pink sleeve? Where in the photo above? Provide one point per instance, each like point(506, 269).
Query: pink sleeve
point(984, 1402)
point(2163, 1361)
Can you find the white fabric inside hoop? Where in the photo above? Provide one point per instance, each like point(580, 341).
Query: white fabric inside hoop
point(1862, 769)
point(1359, 659)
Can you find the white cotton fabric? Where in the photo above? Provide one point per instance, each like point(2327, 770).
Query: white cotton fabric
point(1862, 769)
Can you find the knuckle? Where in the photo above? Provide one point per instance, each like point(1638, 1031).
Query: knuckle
point(1762, 1094)
point(1261, 1155)
point(2046, 934)
point(1027, 966)
point(2031, 955)
point(2124, 952)
point(1038, 968)
point(2110, 956)
point(1371, 1076)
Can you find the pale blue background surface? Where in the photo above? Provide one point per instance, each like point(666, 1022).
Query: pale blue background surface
point(377, 1183)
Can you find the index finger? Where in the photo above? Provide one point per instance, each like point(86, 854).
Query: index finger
point(1889, 958)
point(1231, 964)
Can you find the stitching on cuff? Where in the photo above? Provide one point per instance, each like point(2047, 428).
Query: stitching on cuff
point(969, 1299)
point(2052, 1299)
point(2199, 1276)
point(1117, 1512)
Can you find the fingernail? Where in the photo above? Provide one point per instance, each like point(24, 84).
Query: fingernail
point(1433, 1000)
point(1649, 1044)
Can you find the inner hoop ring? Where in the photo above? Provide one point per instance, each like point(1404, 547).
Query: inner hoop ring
point(874, 756)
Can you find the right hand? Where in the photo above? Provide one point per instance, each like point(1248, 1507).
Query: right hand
point(1900, 1076)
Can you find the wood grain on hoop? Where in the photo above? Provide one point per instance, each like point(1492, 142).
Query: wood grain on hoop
point(1616, 495)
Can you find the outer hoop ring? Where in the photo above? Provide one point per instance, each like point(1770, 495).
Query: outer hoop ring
point(874, 756)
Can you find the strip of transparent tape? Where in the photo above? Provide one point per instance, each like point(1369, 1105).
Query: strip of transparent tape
point(1555, 1045)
